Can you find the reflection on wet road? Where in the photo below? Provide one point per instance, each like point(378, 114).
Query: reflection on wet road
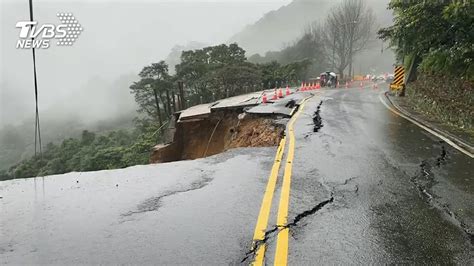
point(367, 187)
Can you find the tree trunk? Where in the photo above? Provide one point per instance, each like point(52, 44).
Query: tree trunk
point(341, 73)
point(182, 103)
point(168, 102)
point(174, 101)
point(163, 102)
point(157, 102)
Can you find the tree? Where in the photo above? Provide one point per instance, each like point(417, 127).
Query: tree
point(347, 31)
point(216, 71)
point(152, 92)
point(438, 32)
point(307, 54)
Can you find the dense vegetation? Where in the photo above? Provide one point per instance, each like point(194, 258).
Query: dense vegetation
point(436, 38)
point(89, 152)
point(439, 32)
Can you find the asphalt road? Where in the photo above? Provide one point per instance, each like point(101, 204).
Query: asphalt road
point(367, 188)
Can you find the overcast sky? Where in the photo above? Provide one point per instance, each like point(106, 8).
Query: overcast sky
point(119, 38)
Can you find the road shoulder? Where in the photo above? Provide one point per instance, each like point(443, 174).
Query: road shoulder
point(461, 139)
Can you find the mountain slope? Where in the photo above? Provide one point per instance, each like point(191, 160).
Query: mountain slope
point(282, 26)
point(278, 28)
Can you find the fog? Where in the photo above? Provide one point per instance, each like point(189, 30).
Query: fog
point(90, 79)
point(86, 85)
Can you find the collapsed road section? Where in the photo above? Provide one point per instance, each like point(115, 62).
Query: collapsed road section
point(241, 121)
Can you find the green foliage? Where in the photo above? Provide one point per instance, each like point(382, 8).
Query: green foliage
point(306, 57)
point(440, 32)
point(221, 71)
point(447, 98)
point(152, 92)
point(216, 72)
point(116, 149)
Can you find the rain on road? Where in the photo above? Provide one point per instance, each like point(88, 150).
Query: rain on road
point(366, 186)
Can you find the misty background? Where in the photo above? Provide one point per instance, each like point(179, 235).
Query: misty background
point(86, 86)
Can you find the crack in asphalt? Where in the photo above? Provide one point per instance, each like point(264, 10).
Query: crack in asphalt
point(425, 181)
point(256, 244)
point(309, 212)
point(154, 203)
point(290, 104)
point(269, 234)
point(317, 121)
point(442, 157)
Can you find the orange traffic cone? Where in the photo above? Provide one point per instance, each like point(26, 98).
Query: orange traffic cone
point(275, 95)
point(347, 85)
point(361, 84)
point(264, 98)
point(280, 93)
point(318, 86)
point(337, 84)
point(287, 90)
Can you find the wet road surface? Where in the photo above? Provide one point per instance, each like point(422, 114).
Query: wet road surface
point(375, 189)
point(368, 187)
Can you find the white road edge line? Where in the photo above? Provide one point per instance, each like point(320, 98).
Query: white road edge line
point(454, 145)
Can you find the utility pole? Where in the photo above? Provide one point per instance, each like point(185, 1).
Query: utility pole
point(334, 51)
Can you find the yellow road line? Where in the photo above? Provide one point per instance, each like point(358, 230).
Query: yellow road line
point(281, 255)
point(262, 220)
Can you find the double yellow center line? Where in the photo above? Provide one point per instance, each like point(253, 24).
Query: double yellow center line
point(281, 255)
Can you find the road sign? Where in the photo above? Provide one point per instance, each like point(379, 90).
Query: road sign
point(398, 79)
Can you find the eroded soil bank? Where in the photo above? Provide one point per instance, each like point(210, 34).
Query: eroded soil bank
point(217, 133)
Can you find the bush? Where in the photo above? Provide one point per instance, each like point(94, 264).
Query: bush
point(449, 98)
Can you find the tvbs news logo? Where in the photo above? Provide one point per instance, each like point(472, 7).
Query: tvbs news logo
point(40, 36)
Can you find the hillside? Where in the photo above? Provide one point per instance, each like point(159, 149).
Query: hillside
point(278, 28)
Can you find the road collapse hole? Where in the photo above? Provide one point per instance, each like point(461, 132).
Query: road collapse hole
point(317, 121)
point(218, 132)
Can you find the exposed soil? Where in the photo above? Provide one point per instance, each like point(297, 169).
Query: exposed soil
point(219, 132)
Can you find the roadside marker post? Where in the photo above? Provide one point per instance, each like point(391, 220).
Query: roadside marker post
point(398, 80)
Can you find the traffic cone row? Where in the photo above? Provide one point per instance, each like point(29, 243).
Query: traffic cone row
point(309, 86)
point(278, 93)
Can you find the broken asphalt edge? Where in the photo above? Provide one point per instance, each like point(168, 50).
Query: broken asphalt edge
point(449, 138)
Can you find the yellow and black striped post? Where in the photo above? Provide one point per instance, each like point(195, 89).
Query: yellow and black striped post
point(398, 79)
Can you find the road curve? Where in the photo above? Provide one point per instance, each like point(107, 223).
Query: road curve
point(366, 187)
